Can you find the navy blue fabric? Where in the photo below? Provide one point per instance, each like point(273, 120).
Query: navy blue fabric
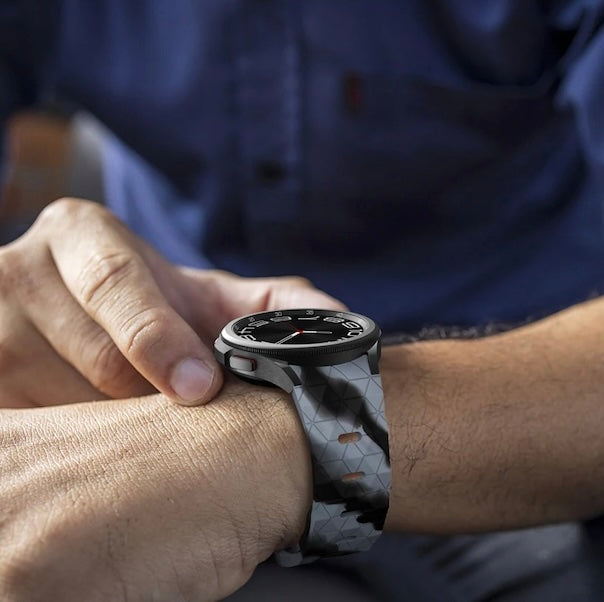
point(545, 564)
point(425, 161)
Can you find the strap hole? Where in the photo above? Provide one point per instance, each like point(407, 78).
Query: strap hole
point(352, 476)
point(349, 438)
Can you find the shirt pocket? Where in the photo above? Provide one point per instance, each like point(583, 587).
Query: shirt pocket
point(393, 154)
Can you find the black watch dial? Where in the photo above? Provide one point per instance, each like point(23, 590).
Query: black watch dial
point(305, 330)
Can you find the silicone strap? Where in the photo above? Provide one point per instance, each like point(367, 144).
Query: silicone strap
point(342, 411)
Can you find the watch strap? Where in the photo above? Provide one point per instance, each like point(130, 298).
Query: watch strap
point(342, 410)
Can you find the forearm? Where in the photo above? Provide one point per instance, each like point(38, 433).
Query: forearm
point(141, 498)
point(500, 432)
point(492, 433)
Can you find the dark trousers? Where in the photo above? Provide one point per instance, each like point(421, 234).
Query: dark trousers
point(555, 564)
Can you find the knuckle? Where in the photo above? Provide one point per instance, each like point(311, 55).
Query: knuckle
point(142, 332)
point(69, 210)
point(102, 273)
point(297, 282)
point(58, 211)
point(110, 371)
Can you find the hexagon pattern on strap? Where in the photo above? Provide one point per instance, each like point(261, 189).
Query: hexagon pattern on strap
point(342, 411)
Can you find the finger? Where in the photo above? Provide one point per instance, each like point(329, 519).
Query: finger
point(31, 373)
point(220, 297)
point(293, 292)
point(80, 341)
point(109, 279)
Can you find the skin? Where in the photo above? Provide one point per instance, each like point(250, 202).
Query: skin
point(142, 499)
point(501, 432)
point(94, 312)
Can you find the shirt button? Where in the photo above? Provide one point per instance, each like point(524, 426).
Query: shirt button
point(242, 364)
point(269, 172)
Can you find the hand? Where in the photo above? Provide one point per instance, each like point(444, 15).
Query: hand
point(90, 311)
point(142, 499)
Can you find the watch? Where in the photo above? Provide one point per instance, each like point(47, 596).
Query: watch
point(328, 361)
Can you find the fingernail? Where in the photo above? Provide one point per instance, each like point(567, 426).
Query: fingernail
point(191, 379)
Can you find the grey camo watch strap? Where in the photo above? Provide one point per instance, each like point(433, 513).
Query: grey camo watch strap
point(342, 411)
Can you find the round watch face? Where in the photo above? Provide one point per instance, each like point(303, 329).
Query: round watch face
point(303, 330)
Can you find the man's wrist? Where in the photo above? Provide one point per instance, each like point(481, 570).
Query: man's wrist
point(275, 458)
point(137, 485)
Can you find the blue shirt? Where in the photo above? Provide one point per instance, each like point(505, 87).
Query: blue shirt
point(427, 163)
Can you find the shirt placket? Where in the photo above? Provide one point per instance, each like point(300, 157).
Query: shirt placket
point(268, 110)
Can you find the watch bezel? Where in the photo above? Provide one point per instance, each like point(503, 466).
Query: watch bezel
point(299, 353)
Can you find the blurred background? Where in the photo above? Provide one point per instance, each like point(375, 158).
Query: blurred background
point(49, 152)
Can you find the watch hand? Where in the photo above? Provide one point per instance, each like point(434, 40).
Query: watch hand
point(288, 337)
point(317, 332)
